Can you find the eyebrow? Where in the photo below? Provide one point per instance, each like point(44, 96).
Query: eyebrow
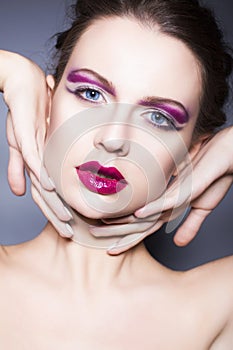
point(80, 76)
point(172, 107)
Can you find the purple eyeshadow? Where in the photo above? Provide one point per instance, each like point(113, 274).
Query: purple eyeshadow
point(76, 77)
point(180, 115)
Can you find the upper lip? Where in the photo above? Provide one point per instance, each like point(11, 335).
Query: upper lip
point(94, 166)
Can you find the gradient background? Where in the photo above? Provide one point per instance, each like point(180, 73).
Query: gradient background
point(25, 27)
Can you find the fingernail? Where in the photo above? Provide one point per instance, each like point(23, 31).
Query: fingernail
point(51, 182)
point(140, 212)
point(95, 232)
point(68, 212)
point(112, 247)
point(94, 228)
point(126, 241)
point(45, 180)
point(69, 229)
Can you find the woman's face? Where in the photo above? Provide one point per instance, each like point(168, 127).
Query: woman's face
point(133, 94)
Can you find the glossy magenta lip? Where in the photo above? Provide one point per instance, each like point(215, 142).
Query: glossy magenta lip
point(100, 179)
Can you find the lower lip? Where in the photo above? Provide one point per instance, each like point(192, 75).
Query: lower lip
point(101, 185)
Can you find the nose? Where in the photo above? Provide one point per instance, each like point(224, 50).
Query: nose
point(113, 139)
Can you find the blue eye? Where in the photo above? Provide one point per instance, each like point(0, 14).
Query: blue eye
point(158, 118)
point(91, 94)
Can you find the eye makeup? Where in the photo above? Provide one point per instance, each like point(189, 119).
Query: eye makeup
point(90, 77)
point(174, 109)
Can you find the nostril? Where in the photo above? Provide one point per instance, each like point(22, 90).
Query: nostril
point(116, 146)
point(124, 149)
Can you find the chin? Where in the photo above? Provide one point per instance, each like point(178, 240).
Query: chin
point(89, 211)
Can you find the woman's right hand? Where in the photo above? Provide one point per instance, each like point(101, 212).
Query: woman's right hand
point(27, 97)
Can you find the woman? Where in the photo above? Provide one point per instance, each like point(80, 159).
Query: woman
point(207, 197)
point(60, 294)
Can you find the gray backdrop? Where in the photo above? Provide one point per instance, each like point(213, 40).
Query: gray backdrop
point(25, 27)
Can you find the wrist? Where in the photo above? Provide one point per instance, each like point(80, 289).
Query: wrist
point(7, 62)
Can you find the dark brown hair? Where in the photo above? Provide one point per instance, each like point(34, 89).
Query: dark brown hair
point(185, 20)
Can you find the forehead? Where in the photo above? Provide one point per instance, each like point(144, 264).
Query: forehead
point(139, 59)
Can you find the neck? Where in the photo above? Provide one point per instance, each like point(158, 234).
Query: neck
point(80, 225)
point(90, 266)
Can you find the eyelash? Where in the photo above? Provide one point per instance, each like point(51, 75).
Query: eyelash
point(79, 90)
point(171, 125)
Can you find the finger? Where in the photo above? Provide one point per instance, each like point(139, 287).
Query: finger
point(119, 230)
point(189, 229)
point(132, 240)
point(214, 194)
point(40, 141)
point(202, 178)
point(129, 219)
point(177, 194)
point(29, 151)
point(202, 207)
point(34, 163)
point(16, 175)
point(52, 200)
point(63, 229)
point(123, 220)
point(180, 198)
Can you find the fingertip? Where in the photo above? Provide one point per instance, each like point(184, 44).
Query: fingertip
point(180, 242)
point(17, 183)
point(181, 238)
point(69, 231)
point(46, 181)
point(15, 173)
point(148, 210)
point(36, 166)
point(18, 191)
point(140, 213)
point(115, 251)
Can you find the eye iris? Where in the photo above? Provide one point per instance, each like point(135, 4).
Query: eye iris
point(157, 118)
point(92, 94)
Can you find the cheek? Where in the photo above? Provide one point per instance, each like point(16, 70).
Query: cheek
point(64, 106)
point(147, 167)
point(147, 173)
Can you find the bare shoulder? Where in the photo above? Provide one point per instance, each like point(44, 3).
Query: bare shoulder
point(215, 278)
point(24, 253)
point(218, 272)
point(212, 284)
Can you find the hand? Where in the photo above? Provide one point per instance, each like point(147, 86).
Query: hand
point(212, 177)
point(211, 181)
point(132, 228)
point(27, 96)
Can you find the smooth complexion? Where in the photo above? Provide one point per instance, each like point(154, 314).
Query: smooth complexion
point(162, 80)
point(163, 76)
point(92, 300)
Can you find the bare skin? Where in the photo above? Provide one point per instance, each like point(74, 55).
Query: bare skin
point(59, 294)
point(48, 301)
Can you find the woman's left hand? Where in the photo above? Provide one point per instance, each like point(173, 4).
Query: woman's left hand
point(211, 181)
point(132, 228)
